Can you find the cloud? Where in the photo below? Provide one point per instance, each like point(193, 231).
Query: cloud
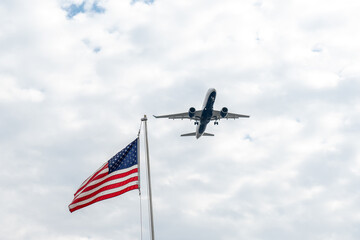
point(10, 92)
point(78, 7)
point(77, 76)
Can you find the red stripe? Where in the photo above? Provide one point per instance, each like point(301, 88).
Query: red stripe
point(111, 186)
point(91, 178)
point(117, 176)
point(107, 196)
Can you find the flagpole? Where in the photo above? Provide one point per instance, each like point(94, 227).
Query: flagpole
point(138, 157)
point(144, 119)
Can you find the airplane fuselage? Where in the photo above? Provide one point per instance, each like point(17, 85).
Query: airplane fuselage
point(207, 112)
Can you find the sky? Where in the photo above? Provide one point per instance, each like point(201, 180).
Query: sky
point(77, 76)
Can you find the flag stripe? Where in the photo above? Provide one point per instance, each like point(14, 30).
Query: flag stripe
point(109, 191)
point(90, 178)
point(103, 197)
point(105, 186)
point(105, 174)
point(108, 178)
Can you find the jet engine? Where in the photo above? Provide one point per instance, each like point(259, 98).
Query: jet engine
point(224, 112)
point(192, 111)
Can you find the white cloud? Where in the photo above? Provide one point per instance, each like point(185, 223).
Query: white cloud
point(73, 90)
point(10, 92)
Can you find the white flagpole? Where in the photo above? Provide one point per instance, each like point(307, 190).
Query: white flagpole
point(149, 181)
point(138, 157)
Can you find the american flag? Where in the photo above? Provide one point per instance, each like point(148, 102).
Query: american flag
point(115, 177)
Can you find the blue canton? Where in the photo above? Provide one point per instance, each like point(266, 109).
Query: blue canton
point(125, 158)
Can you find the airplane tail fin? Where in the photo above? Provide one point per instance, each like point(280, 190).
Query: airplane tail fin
point(194, 134)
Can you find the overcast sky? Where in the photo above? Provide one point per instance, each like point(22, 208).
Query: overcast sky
point(77, 76)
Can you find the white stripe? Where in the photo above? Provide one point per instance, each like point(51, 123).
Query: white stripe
point(106, 176)
point(103, 193)
point(91, 183)
point(111, 174)
point(87, 180)
point(119, 180)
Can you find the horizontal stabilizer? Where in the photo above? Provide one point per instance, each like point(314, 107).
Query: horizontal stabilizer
point(188, 134)
point(208, 134)
point(194, 134)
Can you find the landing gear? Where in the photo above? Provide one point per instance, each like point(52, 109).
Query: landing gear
point(216, 123)
point(196, 123)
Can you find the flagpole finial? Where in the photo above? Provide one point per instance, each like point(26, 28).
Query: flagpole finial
point(144, 119)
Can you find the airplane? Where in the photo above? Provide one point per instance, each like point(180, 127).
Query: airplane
point(204, 116)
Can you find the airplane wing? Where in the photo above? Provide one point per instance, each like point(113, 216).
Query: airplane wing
point(181, 116)
point(216, 115)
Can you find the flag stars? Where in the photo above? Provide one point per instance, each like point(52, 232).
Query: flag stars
point(125, 158)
